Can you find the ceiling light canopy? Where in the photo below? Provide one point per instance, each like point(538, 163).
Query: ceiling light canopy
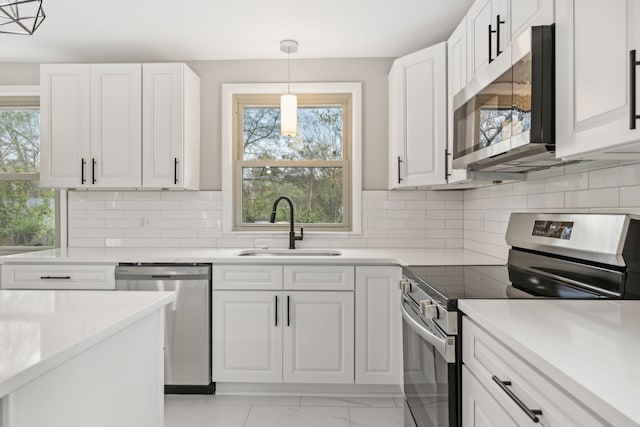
point(288, 102)
point(20, 16)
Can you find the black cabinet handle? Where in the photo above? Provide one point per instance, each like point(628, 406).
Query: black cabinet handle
point(498, 23)
point(276, 310)
point(175, 170)
point(446, 164)
point(288, 310)
point(490, 42)
point(399, 178)
point(93, 171)
point(531, 413)
point(161, 276)
point(55, 277)
point(82, 165)
point(633, 65)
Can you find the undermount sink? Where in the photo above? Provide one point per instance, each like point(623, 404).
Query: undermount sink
point(289, 252)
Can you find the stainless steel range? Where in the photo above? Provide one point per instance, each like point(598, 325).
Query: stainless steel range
point(574, 256)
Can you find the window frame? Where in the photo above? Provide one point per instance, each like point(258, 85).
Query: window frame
point(28, 93)
point(231, 174)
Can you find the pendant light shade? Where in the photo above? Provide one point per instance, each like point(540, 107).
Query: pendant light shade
point(288, 115)
point(288, 102)
point(20, 16)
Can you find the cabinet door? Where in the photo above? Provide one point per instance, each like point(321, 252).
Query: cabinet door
point(318, 337)
point(593, 77)
point(418, 128)
point(65, 129)
point(378, 326)
point(247, 336)
point(479, 18)
point(457, 72)
point(116, 120)
point(527, 13)
point(479, 408)
point(163, 132)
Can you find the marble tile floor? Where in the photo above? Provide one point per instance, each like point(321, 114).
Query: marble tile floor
point(282, 411)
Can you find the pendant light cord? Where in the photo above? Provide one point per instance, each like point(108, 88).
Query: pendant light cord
point(289, 72)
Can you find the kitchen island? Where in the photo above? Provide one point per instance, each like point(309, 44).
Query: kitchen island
point(80, 358)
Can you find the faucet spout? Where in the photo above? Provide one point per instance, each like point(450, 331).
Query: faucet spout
point(292, 233)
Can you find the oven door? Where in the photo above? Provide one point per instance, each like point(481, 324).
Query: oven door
point(430, 372)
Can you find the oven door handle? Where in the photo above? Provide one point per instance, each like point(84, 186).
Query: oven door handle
point(445, 345)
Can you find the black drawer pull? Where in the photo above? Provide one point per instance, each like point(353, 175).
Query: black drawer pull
point(93, 171)
point(399, 178)
point(82, 165)
point(276, 310)
point(288, 312)
point(161, 276)
point(531, 413)
point(175, 170)
point(55, 277)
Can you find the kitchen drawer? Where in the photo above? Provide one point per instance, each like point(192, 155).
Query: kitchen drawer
point(319, 277)
point(490, 360)
point(237, 277)
point(58, 276)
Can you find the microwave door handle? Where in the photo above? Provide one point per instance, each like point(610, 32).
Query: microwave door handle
point(441, 344)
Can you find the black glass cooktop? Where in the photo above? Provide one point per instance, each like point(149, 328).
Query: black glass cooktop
point(447, 284)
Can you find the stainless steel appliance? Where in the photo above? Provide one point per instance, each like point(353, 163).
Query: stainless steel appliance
point(506, 122)
point(573, 256)
point(188, 321)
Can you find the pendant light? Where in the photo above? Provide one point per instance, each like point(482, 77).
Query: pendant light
point(20, 16)
point(288, 102)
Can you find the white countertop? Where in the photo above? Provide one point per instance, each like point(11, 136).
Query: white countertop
point(591, 349)
point(39, 330)
point(229, 256)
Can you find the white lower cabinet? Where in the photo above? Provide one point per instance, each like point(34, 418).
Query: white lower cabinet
point(479, 408)
point(499, 388)
point(280, 335)
point(378, 325)
point(58, 276)
point(318, 337)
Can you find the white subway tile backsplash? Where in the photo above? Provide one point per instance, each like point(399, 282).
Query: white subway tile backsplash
point(179, 195)
point(622, 176)
point(630, 196)
point(604, 197)
point(142, 195)
point(579, 181)
point(547, 200)
point(183, 233)
point(407, 195)
point(104, 195)
point(181, 214)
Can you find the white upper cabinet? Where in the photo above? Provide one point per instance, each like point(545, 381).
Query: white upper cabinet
point(457, 73)
point(595, 86)
point(493, 24)
point(171, 126)
point(90, 125)
point(116, 125)
point(417, 118)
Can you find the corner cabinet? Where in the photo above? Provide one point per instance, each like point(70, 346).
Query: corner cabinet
point(171, 126)
point(596, 89)
point(418, 118)
point(92, 129)
point(90, 125)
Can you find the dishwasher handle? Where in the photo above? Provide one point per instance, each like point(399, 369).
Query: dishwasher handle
point(163, 272)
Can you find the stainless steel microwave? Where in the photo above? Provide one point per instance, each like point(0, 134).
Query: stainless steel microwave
point(509, 121)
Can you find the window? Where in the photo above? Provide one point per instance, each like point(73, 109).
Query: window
point(315, 169)
point(27, 212)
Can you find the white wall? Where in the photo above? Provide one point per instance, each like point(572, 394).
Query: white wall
point(581, 188)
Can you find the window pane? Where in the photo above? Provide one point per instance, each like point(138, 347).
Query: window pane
point(316, 194)
point(19, 141)
point(319, 134)
point(28, 214)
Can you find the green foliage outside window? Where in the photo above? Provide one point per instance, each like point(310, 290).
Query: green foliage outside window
point(27, 212)
point(315, 190)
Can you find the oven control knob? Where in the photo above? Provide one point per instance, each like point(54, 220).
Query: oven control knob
point(428, 309)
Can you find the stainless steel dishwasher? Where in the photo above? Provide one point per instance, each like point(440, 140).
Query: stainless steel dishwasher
point(187, 359)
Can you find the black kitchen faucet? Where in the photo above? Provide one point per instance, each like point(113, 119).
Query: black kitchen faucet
point(292, 234)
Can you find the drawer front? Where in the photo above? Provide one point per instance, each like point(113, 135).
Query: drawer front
point(490, 361)
point(319, 278)
point(58, 276)
point(237, 277)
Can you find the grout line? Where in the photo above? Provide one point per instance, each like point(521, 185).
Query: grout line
point(244, 424)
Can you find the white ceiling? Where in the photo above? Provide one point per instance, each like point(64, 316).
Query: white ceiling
point(157, 30)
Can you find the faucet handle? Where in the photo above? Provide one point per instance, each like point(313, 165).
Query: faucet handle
point(301, 236)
